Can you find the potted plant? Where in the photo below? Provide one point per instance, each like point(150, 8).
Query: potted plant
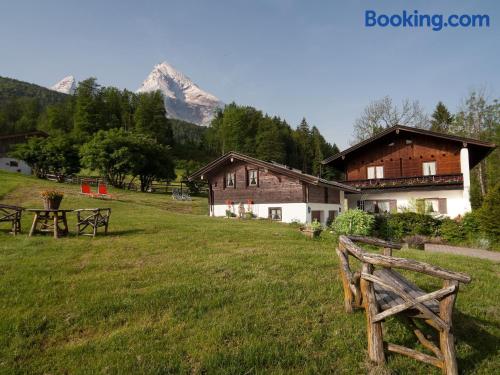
point(312, 230)
point(52, 199)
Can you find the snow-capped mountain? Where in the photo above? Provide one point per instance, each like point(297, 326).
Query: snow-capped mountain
point(67, 85)
point(184, 100)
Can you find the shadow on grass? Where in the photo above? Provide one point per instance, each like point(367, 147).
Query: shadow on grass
point(484, 345)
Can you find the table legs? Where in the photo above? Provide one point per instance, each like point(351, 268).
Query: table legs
point(57, 218)
point(33, 226)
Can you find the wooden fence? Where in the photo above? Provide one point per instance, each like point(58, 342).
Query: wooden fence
point(165, 187)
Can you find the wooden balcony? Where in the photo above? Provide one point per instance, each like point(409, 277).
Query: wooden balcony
point(403, 182)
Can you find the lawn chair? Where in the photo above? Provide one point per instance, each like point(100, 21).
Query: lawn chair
point(11, 214)
point(92, 218)
point(102, 191)
point(85, 189)
point(384, 292)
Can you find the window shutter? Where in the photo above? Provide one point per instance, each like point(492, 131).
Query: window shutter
point(443, 206)
point(393, 208)
point(247, 177)
point(224, 181)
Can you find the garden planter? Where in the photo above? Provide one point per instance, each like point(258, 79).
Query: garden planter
point(310, 233)
point(52, 203)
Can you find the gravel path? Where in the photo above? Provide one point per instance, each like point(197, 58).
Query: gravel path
point(478, 253)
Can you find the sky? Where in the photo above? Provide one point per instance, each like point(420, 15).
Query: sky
point(294, 59)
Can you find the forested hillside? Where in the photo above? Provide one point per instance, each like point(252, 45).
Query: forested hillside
point(21, 103)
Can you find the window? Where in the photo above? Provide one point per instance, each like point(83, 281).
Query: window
point(375, 172)
point(377, 207)
point(253, 177)
point(361, 205)
point(231, 179)
point(13, 163)
point(429, 168)
point(427, 206)
point(275, 213)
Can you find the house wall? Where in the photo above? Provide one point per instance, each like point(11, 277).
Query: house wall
point(21, 167)
point(319, 194)
point(272, 187)
point(405, 160)
point(291, 212)
point(456, 204)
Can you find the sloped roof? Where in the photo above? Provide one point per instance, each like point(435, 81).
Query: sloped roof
point(275, 167)
point(481, 148)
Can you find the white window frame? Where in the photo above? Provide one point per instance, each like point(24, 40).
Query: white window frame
point(376, 172)
point(230, 176)
point(270, 209)
point(428, 167)
point(250, 172)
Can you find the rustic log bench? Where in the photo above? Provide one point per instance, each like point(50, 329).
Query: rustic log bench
point(92, 218)
point(11, 214)
point(383, 293)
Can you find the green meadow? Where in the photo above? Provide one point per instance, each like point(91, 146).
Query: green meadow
point(170, 290)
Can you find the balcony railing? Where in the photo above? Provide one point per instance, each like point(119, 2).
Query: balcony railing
point(380, 183)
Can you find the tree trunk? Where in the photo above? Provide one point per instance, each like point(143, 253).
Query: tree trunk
point(482, 182)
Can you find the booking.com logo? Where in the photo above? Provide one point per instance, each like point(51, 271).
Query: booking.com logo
point(435, 21)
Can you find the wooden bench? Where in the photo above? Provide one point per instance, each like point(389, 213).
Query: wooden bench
point(92, 218)
point(383, 292)
point(11, 214)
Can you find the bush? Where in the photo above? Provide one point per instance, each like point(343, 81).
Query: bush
point(398, 225)
point(489, 213)
point(453, 231)
point(353, 222)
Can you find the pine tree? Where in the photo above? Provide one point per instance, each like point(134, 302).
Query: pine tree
point(441, 119)
point(303, 134)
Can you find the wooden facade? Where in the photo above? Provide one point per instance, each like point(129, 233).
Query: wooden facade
point(271, 187)
point(404, 157)
point(398, 156)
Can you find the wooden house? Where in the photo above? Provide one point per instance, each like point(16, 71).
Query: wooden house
point(239, 184)
point(403, 167)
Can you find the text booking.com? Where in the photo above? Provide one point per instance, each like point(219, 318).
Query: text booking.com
point(415, 19)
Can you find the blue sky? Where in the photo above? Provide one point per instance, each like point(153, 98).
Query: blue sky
point(288, 58)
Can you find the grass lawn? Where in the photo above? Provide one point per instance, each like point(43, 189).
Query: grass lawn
point(171, 290)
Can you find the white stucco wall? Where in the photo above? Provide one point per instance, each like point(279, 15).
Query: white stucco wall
point(455, 201)
point(290, 212)
point(21, 168)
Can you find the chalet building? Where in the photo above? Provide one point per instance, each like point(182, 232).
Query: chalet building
point(7, 142)
point(239, 183)
point(406, 168)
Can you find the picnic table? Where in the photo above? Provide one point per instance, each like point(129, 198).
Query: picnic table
point(49, 221)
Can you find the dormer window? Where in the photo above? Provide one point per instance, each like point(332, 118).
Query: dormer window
point(375, 172)
point(231, 179)
point(429, 168)
point(253, 177)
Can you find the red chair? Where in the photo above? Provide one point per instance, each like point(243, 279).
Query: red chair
point(102, 191)
point(86, 190)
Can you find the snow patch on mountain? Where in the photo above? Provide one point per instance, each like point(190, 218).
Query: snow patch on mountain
point(184, 100)
point(67, 85)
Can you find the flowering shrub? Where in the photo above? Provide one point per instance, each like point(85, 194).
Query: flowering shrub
point(353, 222)
point(51, 194)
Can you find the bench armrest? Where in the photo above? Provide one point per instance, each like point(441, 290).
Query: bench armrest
point(402, 263)
point(376, 242)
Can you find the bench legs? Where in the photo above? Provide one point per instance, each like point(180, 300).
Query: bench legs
point(446, 338)
point(373, 329)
